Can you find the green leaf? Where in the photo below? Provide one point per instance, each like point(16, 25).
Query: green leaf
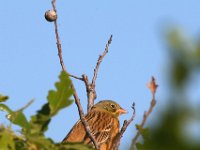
point(61, 97)
point(143, 131)
point(16, 117)
point(3, 98)
point(138, 127)
point(40, 121)
point(56, 101)
point(140, 146)
point(6, 139)
point(5, 108)
point(41, 142)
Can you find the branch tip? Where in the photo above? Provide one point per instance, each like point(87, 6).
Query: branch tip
point(90, 88)
point(123, 129)
point(153, 87)
point(133, 106)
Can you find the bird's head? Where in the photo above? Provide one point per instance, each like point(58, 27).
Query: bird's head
point(110, 107)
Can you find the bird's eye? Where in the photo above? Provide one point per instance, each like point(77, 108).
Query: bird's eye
point(112, 106)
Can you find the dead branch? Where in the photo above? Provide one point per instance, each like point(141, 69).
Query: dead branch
point(153, 87)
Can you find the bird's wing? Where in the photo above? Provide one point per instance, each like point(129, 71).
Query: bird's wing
point(101, 124)
point(76, 134)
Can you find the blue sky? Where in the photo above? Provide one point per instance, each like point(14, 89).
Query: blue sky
point(30, 65)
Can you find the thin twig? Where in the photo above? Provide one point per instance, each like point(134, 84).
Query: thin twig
point(77, 100)
point(58, 38)
point(145, 116)
point(123, 129)
point(152, 86)
point(100, 60)
point(27, 105)
point(91, 87)
point(75, 77)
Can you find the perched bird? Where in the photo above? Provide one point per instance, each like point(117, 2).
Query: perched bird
point(103, 122)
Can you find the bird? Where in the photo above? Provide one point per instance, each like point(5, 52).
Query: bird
point(103, 122)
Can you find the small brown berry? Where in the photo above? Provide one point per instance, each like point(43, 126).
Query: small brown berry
point(50, 15)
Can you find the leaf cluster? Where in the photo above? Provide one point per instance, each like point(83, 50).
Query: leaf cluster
point(32, 135)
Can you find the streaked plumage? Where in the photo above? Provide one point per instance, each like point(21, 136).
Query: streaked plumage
point(103, 122)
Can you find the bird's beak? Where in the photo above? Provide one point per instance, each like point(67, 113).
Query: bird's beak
point(122, 111)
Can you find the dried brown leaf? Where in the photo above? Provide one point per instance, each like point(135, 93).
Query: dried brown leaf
point(152, 86)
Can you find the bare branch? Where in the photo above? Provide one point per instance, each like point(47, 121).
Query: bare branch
point(100, 60)
point(58, 38)
point(77, 100)
point(152, 86)
point(91, 93)
point(123, 129)
point(75, 77)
